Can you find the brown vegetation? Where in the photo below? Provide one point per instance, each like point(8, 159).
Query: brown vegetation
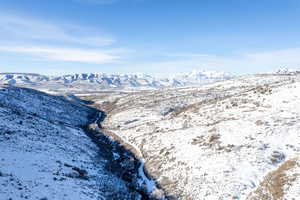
point(272, 187)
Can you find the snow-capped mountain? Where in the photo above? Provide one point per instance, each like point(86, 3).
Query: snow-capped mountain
point(109, 81)
point(200, 77)
point(22, 78)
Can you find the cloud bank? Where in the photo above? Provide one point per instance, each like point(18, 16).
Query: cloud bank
point(55, 42)
point(64, 54)
point(50, 41)
point(265, 61)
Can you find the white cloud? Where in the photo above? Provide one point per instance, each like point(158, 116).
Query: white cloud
point(241, 63)
point(24, 29)
point(288, 57)
point(186, 55)
point(38, 39)
point(64, 54)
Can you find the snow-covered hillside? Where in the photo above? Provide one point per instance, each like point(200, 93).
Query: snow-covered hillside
point(235, 139)
point(45, 153)
point(100, 81)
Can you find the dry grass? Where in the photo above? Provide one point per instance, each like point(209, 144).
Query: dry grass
point(272, 187)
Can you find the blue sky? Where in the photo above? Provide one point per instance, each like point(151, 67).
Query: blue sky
point(151, 36)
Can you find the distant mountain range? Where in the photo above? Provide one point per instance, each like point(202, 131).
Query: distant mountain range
point(111, 81)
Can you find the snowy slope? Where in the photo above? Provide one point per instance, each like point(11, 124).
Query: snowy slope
point(233, 139)
point(225, 140)
point(46, 155)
